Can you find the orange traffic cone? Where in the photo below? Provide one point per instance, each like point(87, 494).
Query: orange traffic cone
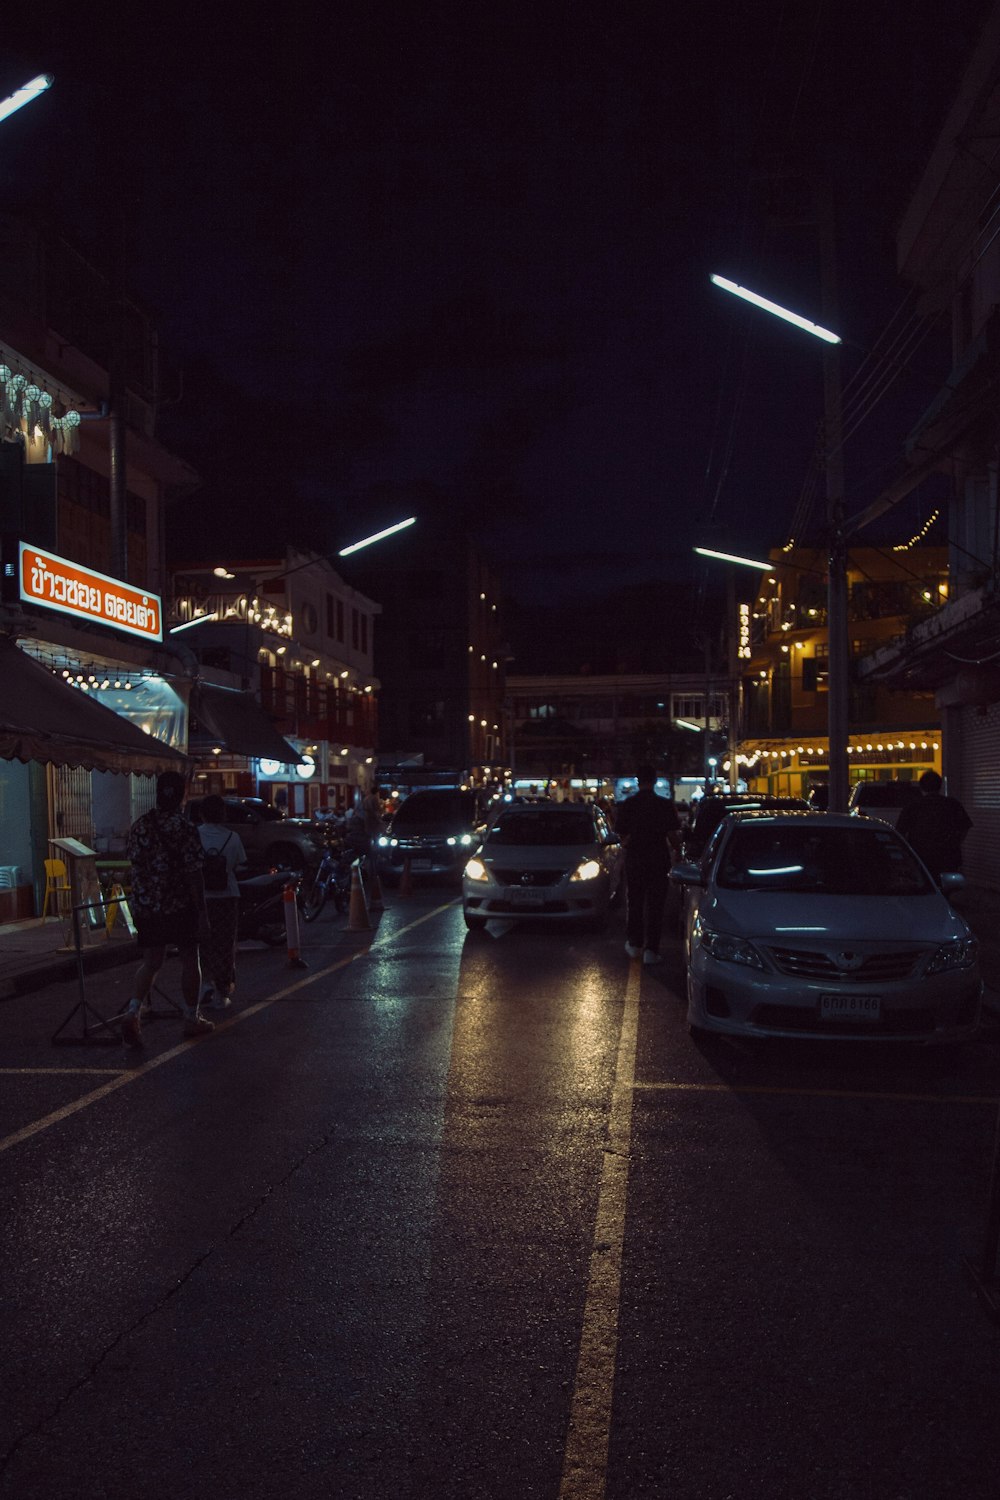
point(357, 916)
point(374, 884)
point(405, 880)
point(295, 959)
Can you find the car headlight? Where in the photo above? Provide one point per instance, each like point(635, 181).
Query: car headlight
point(476, 870)
point(383, 842)
point(958, 954)
point(587, 869)
point(727, 949)
point(467, 839)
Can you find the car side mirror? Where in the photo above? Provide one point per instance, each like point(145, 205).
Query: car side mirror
point(685, 873)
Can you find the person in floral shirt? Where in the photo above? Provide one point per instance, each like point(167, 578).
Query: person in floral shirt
point(168, 899)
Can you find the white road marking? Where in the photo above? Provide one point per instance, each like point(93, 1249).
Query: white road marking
point(807, 1093)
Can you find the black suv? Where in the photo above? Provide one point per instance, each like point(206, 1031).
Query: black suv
point(271, 841)
point(712, 809)
point(436, 830)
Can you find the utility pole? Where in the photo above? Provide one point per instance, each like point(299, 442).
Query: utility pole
point(838, 636)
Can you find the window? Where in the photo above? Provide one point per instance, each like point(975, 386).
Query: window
point(355, 632)
point(364, 632)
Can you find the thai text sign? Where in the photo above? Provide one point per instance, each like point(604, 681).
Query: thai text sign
point(64, 586)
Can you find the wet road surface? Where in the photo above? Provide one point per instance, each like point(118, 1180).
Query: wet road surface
point(475, 1217)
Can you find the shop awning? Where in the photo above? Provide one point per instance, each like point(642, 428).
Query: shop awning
point(237, 721)
point(43, 719)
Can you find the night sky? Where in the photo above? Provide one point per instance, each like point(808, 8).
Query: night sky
point(459, 256)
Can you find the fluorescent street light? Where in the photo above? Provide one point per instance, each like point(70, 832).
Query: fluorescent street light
point(745, 562)
point(686, 724)
point(25, 94)
point(190, 624)
point(378, 536)
point(779, 312)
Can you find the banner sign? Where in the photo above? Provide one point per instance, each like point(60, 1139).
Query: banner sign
point(65, 586)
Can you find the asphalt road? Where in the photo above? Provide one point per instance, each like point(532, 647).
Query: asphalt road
point(475, 1217)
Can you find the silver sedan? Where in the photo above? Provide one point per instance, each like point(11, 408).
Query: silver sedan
point(823, 925)
point(545, 861)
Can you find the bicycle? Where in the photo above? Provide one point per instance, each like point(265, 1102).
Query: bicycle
point(332, 878)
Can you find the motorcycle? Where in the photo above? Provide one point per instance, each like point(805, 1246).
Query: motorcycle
point(262, 906)
point(331, 878)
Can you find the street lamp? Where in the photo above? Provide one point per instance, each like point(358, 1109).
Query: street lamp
point(377, 536)
point(836, 611)
point(25, 94)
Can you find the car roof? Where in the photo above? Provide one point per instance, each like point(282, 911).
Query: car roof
point(534, 808)
point(793, 815)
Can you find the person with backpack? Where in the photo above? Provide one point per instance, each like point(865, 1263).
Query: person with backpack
point(168, 900)
point(223, 854)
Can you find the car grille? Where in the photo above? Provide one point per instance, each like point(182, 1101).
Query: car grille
point(910, 1021)
point(527, 877)
point(875, 968)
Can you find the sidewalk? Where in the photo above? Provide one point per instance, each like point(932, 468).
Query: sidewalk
point(34, 954)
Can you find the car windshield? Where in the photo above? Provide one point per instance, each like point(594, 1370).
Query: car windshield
point(832, 861)
point(543, 828)
point(446, 808)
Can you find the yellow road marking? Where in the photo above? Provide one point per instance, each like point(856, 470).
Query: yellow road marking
point(585, 1460)
point(134, 1074)
point(16, 1072)
point(805, 1093)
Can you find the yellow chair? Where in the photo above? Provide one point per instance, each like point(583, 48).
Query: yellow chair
point(55, 883)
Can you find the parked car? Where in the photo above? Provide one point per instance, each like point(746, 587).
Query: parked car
point(434, 830)
point(270, 840)
point(554, 861)
point(710, 811)
point(882, 799)
point(823, 925)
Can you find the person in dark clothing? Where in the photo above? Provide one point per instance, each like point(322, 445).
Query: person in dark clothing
point(648, 827)
point(934, 826)
point(168, 897)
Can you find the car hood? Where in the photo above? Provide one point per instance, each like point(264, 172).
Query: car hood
point(785, 917)
point(539, 856)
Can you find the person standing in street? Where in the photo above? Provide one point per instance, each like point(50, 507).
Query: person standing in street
point(224, 854)
point(648, 826)
point(934, 826)
point(168, 898)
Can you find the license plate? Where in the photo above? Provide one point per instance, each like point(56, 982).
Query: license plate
point(850, 1007)
point(527, 897)
point(421, 864)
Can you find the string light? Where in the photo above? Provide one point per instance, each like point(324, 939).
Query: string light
point(917, 536)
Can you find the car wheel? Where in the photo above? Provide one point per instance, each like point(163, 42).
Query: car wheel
point(474, 924)
point(313, 901)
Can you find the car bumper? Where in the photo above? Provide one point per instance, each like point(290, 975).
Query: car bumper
point(942, 1008)
point(424, 861)
point(570, 901)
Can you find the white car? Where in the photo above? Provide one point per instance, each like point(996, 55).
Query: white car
point(547, 861)
point(823, 925)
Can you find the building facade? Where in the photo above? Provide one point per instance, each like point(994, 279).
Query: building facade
point(440, 653)
point(949, 251)
point(781, 660)
point(290, 632)
point(95, 695)
point(599, 728)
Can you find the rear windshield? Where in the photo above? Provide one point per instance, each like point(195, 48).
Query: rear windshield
point(543, 828)
point(832, 861)
point(435, 807)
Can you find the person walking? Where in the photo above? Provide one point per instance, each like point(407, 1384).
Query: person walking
point(168, 898)
point(648, 827)
point(934, 826)
point(224, 854)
